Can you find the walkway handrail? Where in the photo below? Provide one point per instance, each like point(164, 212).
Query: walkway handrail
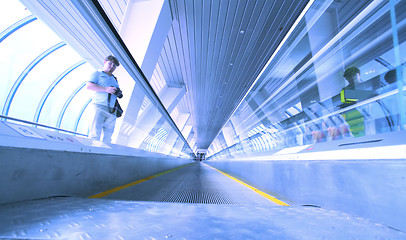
point(100, 22)
point(2, 117)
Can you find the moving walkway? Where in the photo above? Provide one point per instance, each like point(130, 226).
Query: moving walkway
point(195, 201)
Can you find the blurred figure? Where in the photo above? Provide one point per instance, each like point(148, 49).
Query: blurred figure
point(352, 75)
point(319, 135)
point(388, 105)
point(390, 76)
point(353, 117)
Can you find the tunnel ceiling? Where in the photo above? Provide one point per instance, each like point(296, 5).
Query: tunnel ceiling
point(227, 45)
point(218, 48)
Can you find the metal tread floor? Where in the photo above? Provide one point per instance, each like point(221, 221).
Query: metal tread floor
point(75, 218)
point(193, 202)
point(195, 183)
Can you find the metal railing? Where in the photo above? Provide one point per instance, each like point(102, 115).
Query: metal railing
point(5, 118)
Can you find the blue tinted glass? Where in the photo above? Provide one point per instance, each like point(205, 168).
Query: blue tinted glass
point(337, 77)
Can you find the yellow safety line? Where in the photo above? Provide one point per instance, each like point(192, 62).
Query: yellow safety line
point(103, 194)
point(265, 195)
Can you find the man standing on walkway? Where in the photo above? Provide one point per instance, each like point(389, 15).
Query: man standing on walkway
point(106, 89)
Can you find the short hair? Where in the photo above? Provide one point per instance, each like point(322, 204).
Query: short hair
point(350, 72)
point(113, 59)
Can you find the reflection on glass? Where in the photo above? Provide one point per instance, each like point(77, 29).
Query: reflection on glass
point(43, 82)
point(335, 77)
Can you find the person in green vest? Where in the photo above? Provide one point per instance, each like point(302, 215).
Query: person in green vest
point(353, 117)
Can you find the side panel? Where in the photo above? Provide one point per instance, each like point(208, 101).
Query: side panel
point(36, 173)
point(371, 189)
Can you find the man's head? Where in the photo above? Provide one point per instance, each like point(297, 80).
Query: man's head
point(352, 75)
point(390, 77)
point(110, 64)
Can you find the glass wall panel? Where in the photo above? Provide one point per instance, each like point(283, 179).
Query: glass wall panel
point(38, 81)
point(20, 51)
point(44, 82)
point(74, 98)
point(336, 76)
point(149, 130)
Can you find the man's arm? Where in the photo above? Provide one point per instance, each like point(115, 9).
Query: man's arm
point(98, 88)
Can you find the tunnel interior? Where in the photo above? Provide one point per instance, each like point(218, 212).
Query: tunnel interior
point(242, 120)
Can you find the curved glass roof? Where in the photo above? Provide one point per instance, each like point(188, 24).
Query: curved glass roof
point(298, 100)
point(43, 77)
point(44, 83)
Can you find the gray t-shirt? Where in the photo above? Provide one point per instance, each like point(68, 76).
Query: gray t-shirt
point(103, 79)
